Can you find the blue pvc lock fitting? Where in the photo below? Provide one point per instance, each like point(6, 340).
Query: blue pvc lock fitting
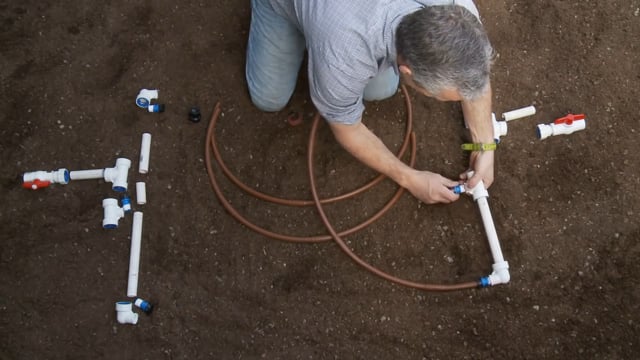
point(126, 204)
point(156, 108)
point(144, 305)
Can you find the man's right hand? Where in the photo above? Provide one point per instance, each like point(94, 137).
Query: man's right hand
point(428, 187)
point(431, 188)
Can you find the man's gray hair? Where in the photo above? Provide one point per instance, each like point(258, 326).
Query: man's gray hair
point(446, 47)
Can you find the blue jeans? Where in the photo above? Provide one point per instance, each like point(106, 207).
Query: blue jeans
point(274, 56)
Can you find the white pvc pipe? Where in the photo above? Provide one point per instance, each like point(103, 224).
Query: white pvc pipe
point(116, 175)
point(141, 193)
point(519, 113)
point(86, 174)
point(145, 149)
point(500, 274)
point(134, 259)
point(490, 229)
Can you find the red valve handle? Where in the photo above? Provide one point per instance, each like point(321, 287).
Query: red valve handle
point(569, 119)
point(35, 184)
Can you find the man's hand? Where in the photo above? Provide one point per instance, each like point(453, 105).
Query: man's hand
point(482, 165)
point(431, 188)
point(365, 146)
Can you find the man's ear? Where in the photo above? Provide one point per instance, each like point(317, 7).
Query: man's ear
point(405, 70)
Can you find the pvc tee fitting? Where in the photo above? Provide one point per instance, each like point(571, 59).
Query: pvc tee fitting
point(499, 128)
point(112, 213)
point(479, 191)
point(118, 174)
point(39, 179)
point(125, 314)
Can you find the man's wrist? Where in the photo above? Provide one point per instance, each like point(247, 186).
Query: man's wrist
point(402, 176)
point(479, 146)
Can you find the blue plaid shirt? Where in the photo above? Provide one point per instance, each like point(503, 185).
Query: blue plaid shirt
point(348, 43)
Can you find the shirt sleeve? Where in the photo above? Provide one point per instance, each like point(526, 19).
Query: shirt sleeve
point(336, 93)
point(469, 5)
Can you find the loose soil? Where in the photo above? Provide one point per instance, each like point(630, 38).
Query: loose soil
point(565, 208)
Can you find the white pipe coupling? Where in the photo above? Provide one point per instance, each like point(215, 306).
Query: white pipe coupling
point(141, 193)
point(145, 149)
point(125, 314)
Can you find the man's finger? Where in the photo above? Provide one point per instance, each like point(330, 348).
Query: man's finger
point(473, 181)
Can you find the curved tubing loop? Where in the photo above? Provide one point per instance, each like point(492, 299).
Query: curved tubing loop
point(211, 147)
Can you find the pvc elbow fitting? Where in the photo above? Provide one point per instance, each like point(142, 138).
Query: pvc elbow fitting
point(479, 191)
point(118, 174)
point(500, 274)
point(125, 314)
point(145, 96)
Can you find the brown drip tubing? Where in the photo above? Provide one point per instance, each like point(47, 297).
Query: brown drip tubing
point(211, 150)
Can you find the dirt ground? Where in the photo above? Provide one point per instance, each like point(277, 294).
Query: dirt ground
point(565, 208)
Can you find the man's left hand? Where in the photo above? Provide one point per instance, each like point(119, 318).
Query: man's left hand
point(481, 163)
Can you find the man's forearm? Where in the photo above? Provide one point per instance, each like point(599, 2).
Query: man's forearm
point(364, 145)
point(477, 113)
